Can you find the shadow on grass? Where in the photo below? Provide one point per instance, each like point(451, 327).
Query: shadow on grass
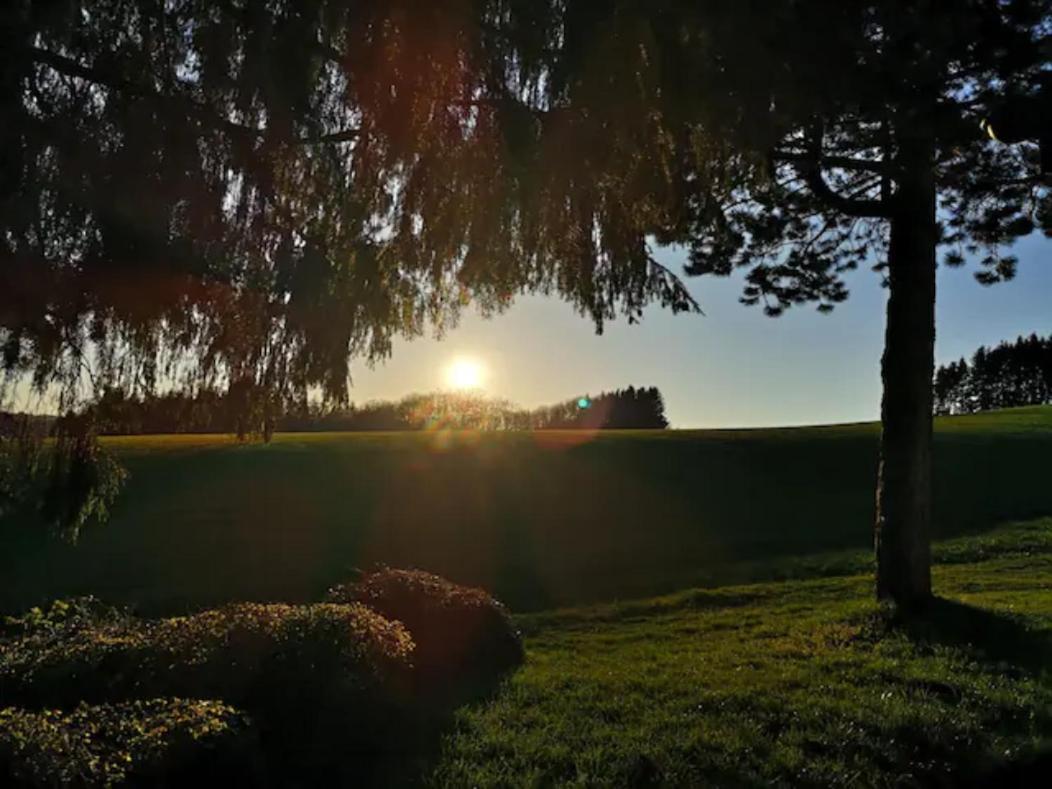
point(1028, 770)
point(1010, 648)
point(419, 749)
point(988, 635)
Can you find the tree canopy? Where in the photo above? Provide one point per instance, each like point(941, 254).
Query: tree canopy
point(252, 193)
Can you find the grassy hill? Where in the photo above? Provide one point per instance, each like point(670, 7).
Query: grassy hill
point(795, 678)
point(543, 519)
point(804, 683)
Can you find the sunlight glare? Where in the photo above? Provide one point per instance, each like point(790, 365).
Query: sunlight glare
point(465, 374)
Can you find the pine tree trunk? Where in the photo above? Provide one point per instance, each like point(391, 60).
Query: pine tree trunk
point(904, 496)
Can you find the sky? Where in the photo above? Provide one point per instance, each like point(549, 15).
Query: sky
point(732, 367)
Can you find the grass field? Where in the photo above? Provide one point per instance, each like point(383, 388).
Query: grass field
point(794, 683)
point(542, 519)
point(763, 661)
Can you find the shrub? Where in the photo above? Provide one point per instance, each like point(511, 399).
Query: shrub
point(463, 636)
point(324, 683)
point(229, 653)
point(68, 615)
point(166, 741)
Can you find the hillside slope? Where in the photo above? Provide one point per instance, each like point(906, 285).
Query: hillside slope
point(805, 683)
point(543, 519)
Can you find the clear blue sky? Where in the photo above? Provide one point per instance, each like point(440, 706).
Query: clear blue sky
point(733, 367)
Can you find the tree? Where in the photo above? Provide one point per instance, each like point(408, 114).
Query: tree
point(811, 137)
point(864, 120)
point(949, 384)
point(246, 195)
point(251, 193)
point(621, 409)
point(1009, 375)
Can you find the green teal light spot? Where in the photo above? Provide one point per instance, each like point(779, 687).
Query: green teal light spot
point(584, 402)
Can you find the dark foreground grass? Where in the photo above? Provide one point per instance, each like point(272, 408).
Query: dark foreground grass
point(804, 682)
point(541, 519)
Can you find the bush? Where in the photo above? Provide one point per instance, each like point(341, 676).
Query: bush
point(161, 741)
point(324, 683)
point(69, 615)
point(463, 636)
point(328, 687)
point(227, 654)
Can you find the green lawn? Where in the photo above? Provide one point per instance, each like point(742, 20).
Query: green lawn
point(542, 519)
point(775, 666)
point(794, 683)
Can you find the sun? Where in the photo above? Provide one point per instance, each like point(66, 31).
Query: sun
point(465, 374)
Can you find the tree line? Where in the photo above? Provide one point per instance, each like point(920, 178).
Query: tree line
point(211, 411)
point(1008, 375)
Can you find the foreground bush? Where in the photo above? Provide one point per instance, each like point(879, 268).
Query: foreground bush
point(463, 636)
point(227, 653)
point(332, 690)
point(324, 684)
point(161, 741)
point(69, 615)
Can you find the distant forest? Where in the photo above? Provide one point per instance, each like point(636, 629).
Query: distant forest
point(210, 412)
point(1010, 374)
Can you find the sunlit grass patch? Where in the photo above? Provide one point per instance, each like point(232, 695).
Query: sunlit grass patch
point(795, 682)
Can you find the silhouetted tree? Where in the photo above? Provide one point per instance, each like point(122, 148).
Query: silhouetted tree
point(249, 195)
point(949, 384)
point(1009, 375)
point(842, 127)
point(811, 137)
point(624, 409)
point(246, 196)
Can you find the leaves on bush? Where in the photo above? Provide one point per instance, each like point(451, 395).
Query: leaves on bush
point(227, 653)
point(116, 743)
point(323, 687)
point(463, 636)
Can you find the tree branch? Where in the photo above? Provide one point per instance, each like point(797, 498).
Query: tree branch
point(838, 162)
point(810, 168)
point(846, 205)
point(692, 303)
point(71, 68)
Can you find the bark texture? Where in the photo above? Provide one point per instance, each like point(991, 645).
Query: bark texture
point(904, 495)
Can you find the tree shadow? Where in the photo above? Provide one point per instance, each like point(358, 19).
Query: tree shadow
point(1008, 647)
point(1030, 769)
point(990, 636)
